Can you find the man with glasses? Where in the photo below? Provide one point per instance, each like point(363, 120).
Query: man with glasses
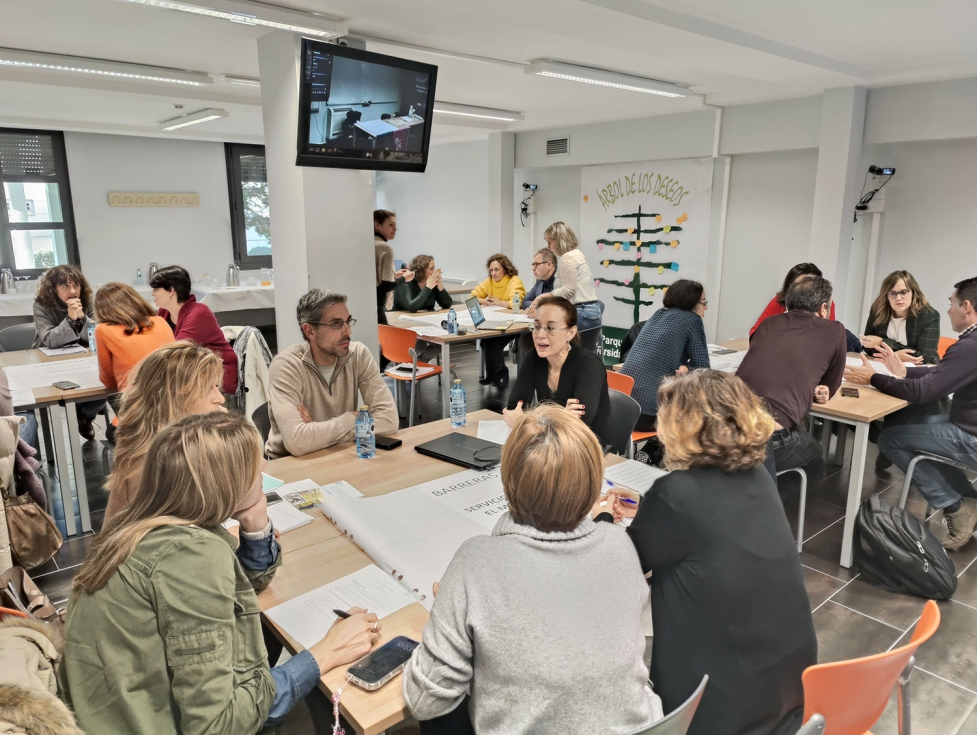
point(313, 397)
point(544, 271)
point(795, 359)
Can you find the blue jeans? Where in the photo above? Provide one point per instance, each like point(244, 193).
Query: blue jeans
point(589, 315)
point(940, 484)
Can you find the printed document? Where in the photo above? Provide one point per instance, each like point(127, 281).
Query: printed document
point(637, 476)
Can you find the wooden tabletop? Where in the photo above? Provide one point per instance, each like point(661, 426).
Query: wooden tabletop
point(517, 327)
point(318, 553)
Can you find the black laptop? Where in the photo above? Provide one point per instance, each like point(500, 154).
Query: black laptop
point(464, 450)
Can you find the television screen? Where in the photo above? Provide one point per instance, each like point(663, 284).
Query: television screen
point(363, 110)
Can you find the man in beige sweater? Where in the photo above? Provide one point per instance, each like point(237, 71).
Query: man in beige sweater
point(313, 394)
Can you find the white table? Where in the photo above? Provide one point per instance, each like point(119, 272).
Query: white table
point(235, 298)
point(377, 128)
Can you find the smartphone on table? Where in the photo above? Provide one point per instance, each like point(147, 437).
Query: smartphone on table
point(65, 385)
point(380, 666)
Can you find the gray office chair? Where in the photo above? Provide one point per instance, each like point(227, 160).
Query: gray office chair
point(590, 339)
point(18, 337)
point(678, 721)
point(920, 457)
point(803, 504)
point(624, 415)
point(262, 422)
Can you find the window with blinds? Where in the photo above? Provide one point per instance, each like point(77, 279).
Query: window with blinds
point(36, 225)
point(247, 180)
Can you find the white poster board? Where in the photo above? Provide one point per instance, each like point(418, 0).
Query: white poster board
point(643, 226)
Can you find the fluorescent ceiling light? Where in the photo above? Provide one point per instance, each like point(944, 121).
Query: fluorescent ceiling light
point(239, 81)
point(256, 14)
point(485, 113)
point(193, 118)
point(604, 78)
point(101, 67)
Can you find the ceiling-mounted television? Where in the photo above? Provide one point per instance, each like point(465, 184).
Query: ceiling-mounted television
point(363, 110)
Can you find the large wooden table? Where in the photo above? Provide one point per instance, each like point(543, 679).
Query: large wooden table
point(517, 328)
point(60, 405)
point(318, 553)
point(870, 406)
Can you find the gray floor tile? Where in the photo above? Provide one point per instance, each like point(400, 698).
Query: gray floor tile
point(818, 515)
point(952, 652)
point(937, 707)
point(969, 726)
point(845, 634)
point(820, 586)
point(828, 564)
point(967, 586)
point(56, 585)
point(899, 611)
point(834, 488)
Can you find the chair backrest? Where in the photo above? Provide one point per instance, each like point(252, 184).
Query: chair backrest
point(353, 117)
point(396, 343)
point(620, 382)
point(944, 345)
point(18, 337)
point(590, 338)
point(678, 721)
point(624, 415)
point(262, 421)
point(851, 695)
point(385, 116)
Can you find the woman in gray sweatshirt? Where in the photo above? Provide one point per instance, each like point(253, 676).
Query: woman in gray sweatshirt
point(539, 624)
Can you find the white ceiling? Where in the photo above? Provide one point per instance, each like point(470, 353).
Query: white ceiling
point(732, 53)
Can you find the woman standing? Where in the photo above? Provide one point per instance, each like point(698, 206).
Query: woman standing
point(424, 290)
point(163, 634)
point(128, 330)
point(541, 621)
point(777, 303)
point(384, 230)
point(671, 342)
point(560, 371)
point(727, 589)
point(498, 289)
point(192, 321)
point(576, 282)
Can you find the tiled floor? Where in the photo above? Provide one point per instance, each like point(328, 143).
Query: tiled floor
point(852, 618)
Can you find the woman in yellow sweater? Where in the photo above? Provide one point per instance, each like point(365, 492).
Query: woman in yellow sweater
point(498, 289)
point(128, 330)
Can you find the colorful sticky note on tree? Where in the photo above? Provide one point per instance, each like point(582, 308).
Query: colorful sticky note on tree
point(658, 218)
point(600, 246)
point(627, 281)
point(675, 267)
point(681, 219)
point(607, 263)
point(674, 243)
point(637, 243)
point(651, 291)
point(667, 228)
point(627, 246)
point(637, 269)
point(596, 281)
point(660, 270)
point(639, 255)
point(617, 246)
point(586, 198)
point(630, 230)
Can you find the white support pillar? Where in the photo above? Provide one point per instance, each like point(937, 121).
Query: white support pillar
point(321, 218)
point(502, 161)
point(838, 181)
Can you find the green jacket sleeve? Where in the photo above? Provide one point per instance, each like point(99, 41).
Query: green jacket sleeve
point(409, 301)
point(443, 298)
point(219, 676)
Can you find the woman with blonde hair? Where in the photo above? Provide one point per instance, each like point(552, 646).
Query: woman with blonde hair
point(715, 539)
point(177, 380)
point(128, 330)
point(539, 623)
point(576, 281)
point(163, 632)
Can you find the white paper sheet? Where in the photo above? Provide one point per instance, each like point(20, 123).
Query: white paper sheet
point(285, 517)
point(83, 371)
point(70, 350)
point(307, 618)
point(726, 363)
point(341, 489)
point(476, 495)
point(635, 475)
point(303, 494)
point(877, 366)
point(23, 397)
point(429, 331)
point(406, 369)
point(493, 431)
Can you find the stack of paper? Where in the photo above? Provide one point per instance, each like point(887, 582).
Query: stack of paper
point(285, 517)
point(83, 371)
point(493, 431)
point(407, 369)
point(69, 350)
point(637, 476)
point(726, 363)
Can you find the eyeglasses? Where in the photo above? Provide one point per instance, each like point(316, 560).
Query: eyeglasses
point(549, 329)
point(899, 294)
point(704, 302)
point(534, 266)
point(336, 323)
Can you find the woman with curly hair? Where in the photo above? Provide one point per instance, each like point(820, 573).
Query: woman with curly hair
point(728, 597)
point(62, 310)
point(425, 290)
point(498, 289)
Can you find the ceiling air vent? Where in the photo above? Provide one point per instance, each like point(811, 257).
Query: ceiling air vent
point(558, 147)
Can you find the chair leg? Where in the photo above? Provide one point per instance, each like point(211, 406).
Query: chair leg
point(814, 726)
point(46, 431)
point(902, 692)
point(800, 512)
point(413, 393)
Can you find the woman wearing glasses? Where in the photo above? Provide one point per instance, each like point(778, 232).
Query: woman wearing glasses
point(560, 371)
point(672, 342)
point(191, 321)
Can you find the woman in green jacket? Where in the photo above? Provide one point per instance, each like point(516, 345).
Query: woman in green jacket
point(425, 292)
point(163, 632)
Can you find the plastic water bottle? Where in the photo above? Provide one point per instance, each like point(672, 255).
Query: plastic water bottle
point(458, 404)
point(516, 301)
point(366, 440)
point(139, 276)
point(91, 338)
point(452, 321)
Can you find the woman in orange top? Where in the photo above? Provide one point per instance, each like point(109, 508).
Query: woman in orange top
point(128, 330)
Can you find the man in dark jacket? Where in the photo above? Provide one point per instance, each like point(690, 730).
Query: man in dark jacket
point(955, 436)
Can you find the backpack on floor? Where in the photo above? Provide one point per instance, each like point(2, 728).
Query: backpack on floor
point(895, 552)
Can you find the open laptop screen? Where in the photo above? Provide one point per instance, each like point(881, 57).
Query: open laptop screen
point(475, 309)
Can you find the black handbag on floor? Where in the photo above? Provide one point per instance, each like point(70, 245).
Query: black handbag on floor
point(895, 552)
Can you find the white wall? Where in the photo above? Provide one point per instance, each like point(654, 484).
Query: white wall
point(444, 211)
point(114, 241)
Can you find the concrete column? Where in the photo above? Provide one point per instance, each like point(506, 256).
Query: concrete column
point(321, 230)
point(501, 214)
point(837, 186)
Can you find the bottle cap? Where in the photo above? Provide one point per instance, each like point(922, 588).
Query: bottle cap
point(364, 407)
point(457, 381)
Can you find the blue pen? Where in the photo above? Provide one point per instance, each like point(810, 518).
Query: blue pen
point(623, 500)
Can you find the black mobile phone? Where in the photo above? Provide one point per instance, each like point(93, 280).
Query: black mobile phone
point(65, 385)
point(388, 442)
point(273, 498)
point(849, 392)
point(376, 669)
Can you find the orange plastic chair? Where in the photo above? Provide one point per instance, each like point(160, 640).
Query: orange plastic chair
point(848, 697)
point(625, 384)
point(945, 344)
point(397, 345)
point(6, 611)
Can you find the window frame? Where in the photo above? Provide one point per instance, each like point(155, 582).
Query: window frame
point(239, 237)
point(67, 224)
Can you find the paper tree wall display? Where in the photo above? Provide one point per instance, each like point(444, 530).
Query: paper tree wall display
point(626, 244)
